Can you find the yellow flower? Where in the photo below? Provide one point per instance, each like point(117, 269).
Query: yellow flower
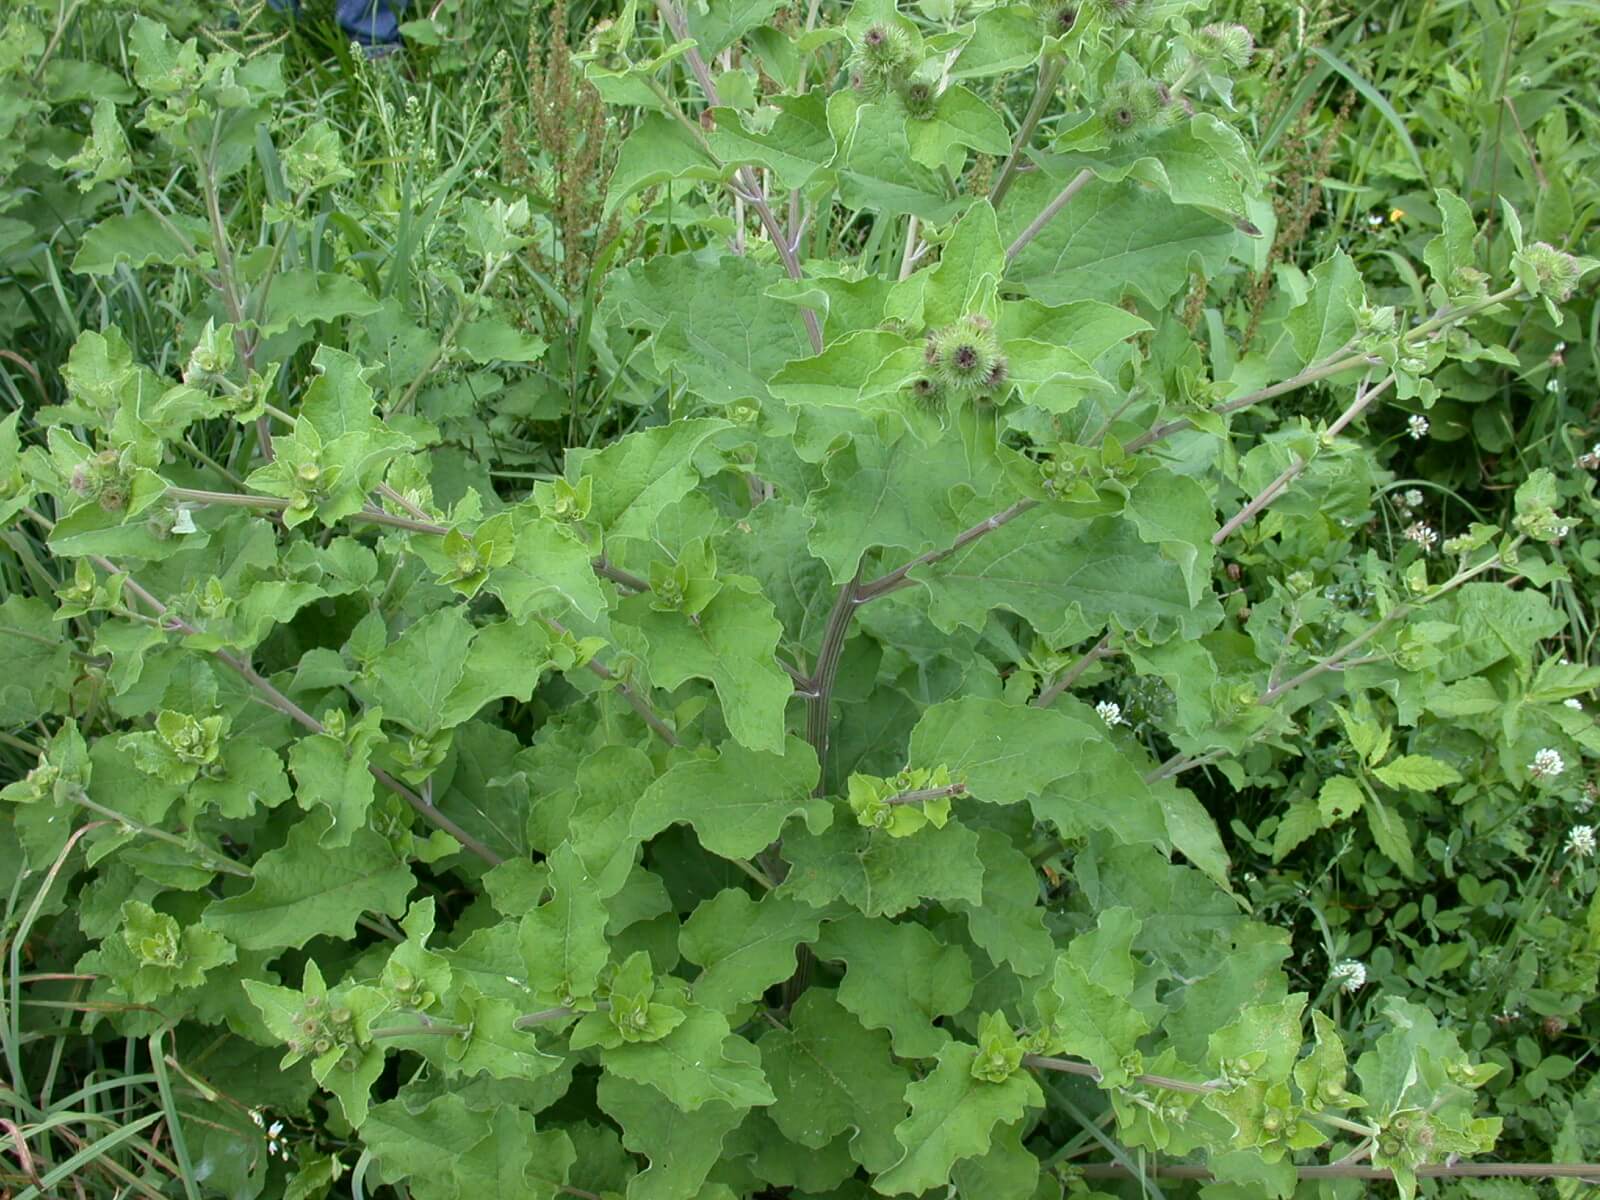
point(1396, 214)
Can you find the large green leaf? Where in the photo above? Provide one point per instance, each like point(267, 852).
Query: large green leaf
point(305, 889)
point(953, 1116)
point(743, 946)
point(830, 1074)
point(900, 978)
point(732, 643)
point(738, 802)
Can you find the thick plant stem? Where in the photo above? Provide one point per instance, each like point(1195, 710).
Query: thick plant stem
point(1070, 1066)
point(1101, 649)
point(1063, 198)
point(896, 579)
point(949, 791)
point(820, 701)
point(1049, 75)
point(1364, 397)
point(1339, 361)
point(215, 862)
point(629, 693)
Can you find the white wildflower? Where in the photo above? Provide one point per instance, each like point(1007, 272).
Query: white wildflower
point(1109, 711)
point(1350, 975)
point(1580, 841)
point(255, 1115)
point(1591, 460)
point(1413, 498)
point(1546, 764)
point(272, 1147)
point(275, 1129)
point(1574, 703)
point(1424, 535)
point(1417, 426)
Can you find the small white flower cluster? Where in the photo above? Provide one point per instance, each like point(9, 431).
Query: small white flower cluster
point(1406, 503)
point(1416, 427)
point(1591, 460)
point(274, 1134)
point(1574, 703)
point(1546, 764)
point(1350, 975)
point(1110, 712)
point(1423, 534)
point(1580, 841)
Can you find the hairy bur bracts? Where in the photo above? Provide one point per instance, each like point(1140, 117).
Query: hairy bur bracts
point(1227, 43)
point(1134, 108)
point(965, 355)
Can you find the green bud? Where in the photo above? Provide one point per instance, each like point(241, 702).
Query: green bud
point(919, 98)
point(885, 48)
point(1131, 109)
point(1549, 271)
point(965, 355)
point(1230, 44)
point(1058, 19)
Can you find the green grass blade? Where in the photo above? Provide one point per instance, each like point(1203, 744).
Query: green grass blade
point(88, 1155)
point(1378, 100)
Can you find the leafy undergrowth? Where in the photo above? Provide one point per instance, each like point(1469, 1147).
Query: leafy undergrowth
point(801, 601)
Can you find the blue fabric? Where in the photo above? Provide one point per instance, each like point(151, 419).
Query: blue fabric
point(370, 22)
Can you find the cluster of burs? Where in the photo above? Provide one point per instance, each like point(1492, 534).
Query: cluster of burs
point(887, 61)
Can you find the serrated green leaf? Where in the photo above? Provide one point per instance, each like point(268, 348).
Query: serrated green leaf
point(900, 978)
point(1112, 239)
point(953, 1117)
point(331, 773)
point(304, 888)
point(744, 946)
point(1417, 771)
point(639, 475)
point(1088, 1006)
point(302, 296)
point(880, 875)
point(737, 802)
point(563, 940)
point(1389, 830)
point(681, 1146)
point(416, 673)
point(700, 1062)
point(830, 1075)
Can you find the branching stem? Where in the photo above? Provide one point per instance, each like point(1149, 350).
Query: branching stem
point(285, 705)
point(1364, 397)
point(744, 183)
point(1048, 214)
point(937, 793)
point(1101, 649)
point(820, 698)
point(1049, 75)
